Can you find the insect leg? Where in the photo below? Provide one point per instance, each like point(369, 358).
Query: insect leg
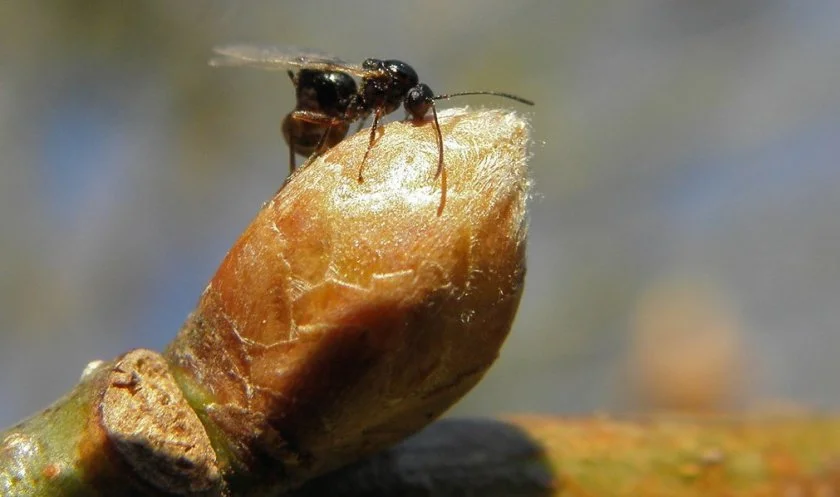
point(323, 141)
point(292, 160)
point(290, 133)
point(376, 117)
point(309, 133)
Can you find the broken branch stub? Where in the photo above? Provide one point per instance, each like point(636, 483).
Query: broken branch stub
point(350, 315)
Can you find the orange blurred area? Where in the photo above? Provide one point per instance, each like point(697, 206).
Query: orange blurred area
point(687, 353)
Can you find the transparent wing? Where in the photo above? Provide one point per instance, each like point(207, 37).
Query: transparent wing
point(278, 57)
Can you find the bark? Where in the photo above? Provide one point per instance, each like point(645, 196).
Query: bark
point(540, 456)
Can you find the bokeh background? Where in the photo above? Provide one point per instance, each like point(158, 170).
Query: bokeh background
point(685, 247)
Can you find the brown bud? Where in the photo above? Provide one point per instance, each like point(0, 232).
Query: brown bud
point(350, 314)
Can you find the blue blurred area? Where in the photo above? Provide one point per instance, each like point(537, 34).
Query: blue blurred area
point(684, 252)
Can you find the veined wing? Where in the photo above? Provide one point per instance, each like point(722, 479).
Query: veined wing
point(277, 58)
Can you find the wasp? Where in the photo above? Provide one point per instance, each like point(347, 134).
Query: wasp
point(329, 100)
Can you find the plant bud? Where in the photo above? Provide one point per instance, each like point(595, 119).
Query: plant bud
point(351, 314)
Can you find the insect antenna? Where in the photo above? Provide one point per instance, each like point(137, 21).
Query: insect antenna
point(496, 93)
point(441, 171)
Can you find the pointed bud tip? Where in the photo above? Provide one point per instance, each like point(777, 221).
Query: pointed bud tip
point(401, 209)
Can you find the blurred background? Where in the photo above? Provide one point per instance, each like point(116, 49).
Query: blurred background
point(685, 242)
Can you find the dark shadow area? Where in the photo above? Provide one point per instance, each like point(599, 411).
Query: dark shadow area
point(453, 457)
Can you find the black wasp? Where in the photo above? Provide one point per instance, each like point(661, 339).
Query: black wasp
point(328, 100)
